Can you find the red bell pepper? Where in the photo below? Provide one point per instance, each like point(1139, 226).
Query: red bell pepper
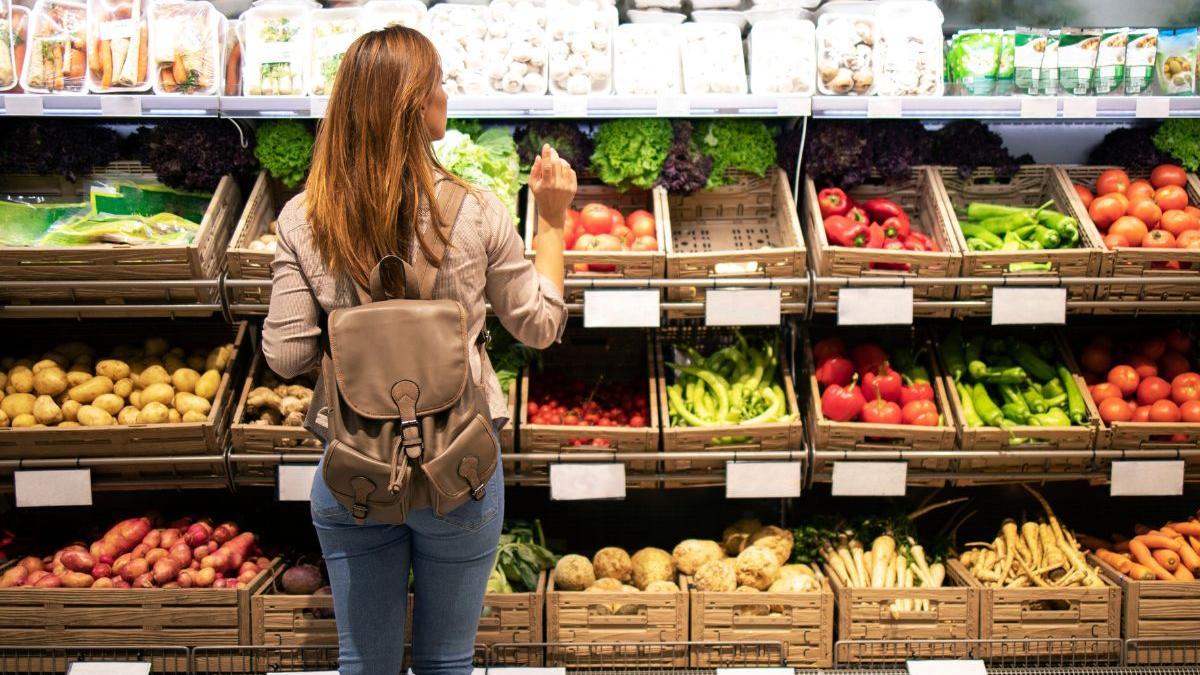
point(842, 404)
point(883, 383)
point(875, 236)
point(858, 215)
point(835, 370)
point(833, 202)
point(880, 411)
point(880, 209)
point(895, 228)
point(842, 231)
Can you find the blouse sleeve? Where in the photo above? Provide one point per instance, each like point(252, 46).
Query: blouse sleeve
point(528, 305)
point(292, 331)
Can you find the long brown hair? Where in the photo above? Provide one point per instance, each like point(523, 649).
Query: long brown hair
point(373, 167)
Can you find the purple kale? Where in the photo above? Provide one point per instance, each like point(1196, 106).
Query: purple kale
point(194, 154)
point(565, 137)
point(686, 169)
point(837, 153)
point(1130, 147)
point(897, 146)
point(67, 147)
point(968, 144)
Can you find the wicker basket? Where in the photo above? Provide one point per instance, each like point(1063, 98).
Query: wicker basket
point(772, 436)
point(748, 229)
point(201, 259)
point(621, 264)
point(1031, 186)
point(922, 200)
point(1138, 261)
point(1163, 610)
point(267, 198)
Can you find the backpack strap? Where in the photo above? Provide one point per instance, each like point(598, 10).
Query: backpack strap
point(450, 198)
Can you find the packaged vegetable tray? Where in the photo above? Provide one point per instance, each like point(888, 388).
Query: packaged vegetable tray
point(275, 47)
point(20, 40)
point(186, 47)
point(782, 57)
point(10, 36)
point(118, 46)
point(1060, 221)
point(910, 235)
point(55, 55)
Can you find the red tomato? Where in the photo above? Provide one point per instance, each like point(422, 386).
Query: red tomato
point(1189, 239)
point(1139, 190)
point(1173, 363)
point(1131, 228)
point(830, 346)
point(1085, 195)
point(1146, 211)
point(620, 231)
point(1185, 387)
point(1144, 365)
point(1104, 390)
point(1164, 411)
point(1171, 197)
point(1105, 210)
point(1096, 357)
point(616, 217)
point(596, 219)
point(1142, 414)
point(1112, 180)
point(1125, 378)
point(1114, 410)
point(1178, 340)
point(1190, 411)
point(1154, 347)
point(1114, 240)
point(605, 242)
point(644, 244)
point(642, 223)
point(1177, 222)
point(1153, 389)
point(1168, 174)
point(919, 413)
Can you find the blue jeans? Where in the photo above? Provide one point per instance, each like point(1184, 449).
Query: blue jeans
point(451, 557)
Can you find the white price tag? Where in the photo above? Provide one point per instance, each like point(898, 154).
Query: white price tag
point(1079, 107)
point(870, 479)
point(731, 307)
point(109, 668)
point(795, 106)
point(875, 306)
point(1039, 107)
point(317, 106)
point(1153, 107)
point(57, 487)
point(528, 671)
point(963, 667)
point(571, 482)
point(620, 309)
point(120, 106)
point(884, 106)
point(756, 671)
point(674, 106)
point(314, 672)
point(29, 105)
point(474, 671)
point(566, 105)
point(1025, 306)
point(755, 480)
point(295, 481)
point(1147, 479)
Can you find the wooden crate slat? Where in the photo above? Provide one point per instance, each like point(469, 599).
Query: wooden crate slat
point(1156, 609)
point(266, 200)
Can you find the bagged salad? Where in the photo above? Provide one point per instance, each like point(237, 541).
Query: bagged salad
point(118, 45)
point(1175, 63)
point(1077, 49)
point(1139, 60)
point(1030, 47)
point(332, 32)
point(185, 39)
point(56, 57)
point(1110, 62)
point(974, 61)
point(274, 40)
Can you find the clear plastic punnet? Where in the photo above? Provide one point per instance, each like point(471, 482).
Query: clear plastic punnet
point(783, 57)
point(185, 47)
point(581, 47)
point(713, 62)
point(647, 60)
point(846, 53)
point(332, 32)
point(458, 32)
point(380, 14)
point(118, 45)
point(8, 59)
point(275, 46)
point(515, 49)
point(908, 53)
point(20, 40)
point(55, 55)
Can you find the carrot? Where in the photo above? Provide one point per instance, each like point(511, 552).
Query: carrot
point(1158, 541)
point(1140, 573)
point(179, 71)
point(1142, 554)
point(1166, 531)
point(1184, 574)
point(167, 79)
point(78, 64)
point(95, 55)
point(1121, 546)
point(143, 53)
point(106, 64)
point(1195, 543)
point(1189, 558)
point(1111, 558)
point(1168, 559)
point(233, 70)
point(1189, 529)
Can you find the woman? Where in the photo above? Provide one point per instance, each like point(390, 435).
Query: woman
point(373, 176)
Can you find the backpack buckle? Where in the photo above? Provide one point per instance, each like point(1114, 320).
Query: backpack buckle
point(412, 445)
point(477, 493)
point(485, 337)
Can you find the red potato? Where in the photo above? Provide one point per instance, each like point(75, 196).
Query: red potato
point(120, 583)
point(145, 580)
point(49, 581)
point(106, 559)
point(181, 553)
point(32, 563)
point(155, 554)
point(201, 552)
point(35, 577)
point(104, 583)
point(195, 564)
point(136, 568)
point(14, 576)
point(153, 539)
point(224, 532)
point(121, 538)
point(247, 576)
point(169, 537)
point(58, 555)
point(139, 551)
point(198, 534)
point(165, 570)
point(102, 570)
point(77, 580)
point(206, 577)
point(120, 563)
point(78, 560)
point(231, 554)
point(186, 578)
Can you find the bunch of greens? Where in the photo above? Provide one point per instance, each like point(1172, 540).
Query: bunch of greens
point(1180, 138)
point(968, 144)
point(285, 150)
point(1130, 147)
point(566, 138)
point(507, 355)
point(686, 169)
point(69, 148)
point(837, 153)
point(489, 161)
point(470, 127)
point(521, 556)
point(193, 155)
point(631, 152)
point(897, 146)
point(744, 144)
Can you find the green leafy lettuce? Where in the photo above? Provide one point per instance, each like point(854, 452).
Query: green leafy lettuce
point(488, 162)
point(1181, 139)
point(742, 144)
point(630, 152)
point(285, 150)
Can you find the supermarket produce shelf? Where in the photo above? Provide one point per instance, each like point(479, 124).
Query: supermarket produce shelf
point(94, 105)
point(118, 474)
point(1006, 107)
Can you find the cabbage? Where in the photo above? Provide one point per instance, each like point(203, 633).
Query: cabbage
point(489, 162)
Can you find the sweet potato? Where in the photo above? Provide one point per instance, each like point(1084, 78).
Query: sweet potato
point(78, 560)
point(155, 554)
point(170, 536)
point(49, 581)
point(121, 538)
point(32, 563)
point(231, 554)
point(165, 570)
point(102, 570)
point(77, 580)
point(136, 568)
point(198, 534)
point(35, 577)
point(224, 532)
point(13, 576)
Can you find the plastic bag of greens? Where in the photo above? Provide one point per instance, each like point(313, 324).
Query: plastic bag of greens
point(22, 223)
point(975, 55)
point(162, 229)
point(123, 197)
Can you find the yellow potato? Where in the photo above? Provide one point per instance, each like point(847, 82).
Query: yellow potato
point(113, 369)
point(48, 363)
point(46, 411)
point(173, 363)
point(68, 424)
point(127, 416)
point(26, 420)
point(70, 410)
point(196, 361)
point(88, 391)
point(91, 416)
point(155, 346)
point(135, 399)
point(207, 386)
point(3, 380)
point(154, 374)
point(185, 379)
point(218, 358)
point(50, 381)
point(109, 403)
point(17, 404)
point(78, 375)
point(160, 393)
point(185, 403)
point(173, 416)
point(153, 413)
point(123, 388)
point(20, 378)
point(3, 419)
point(193, 416)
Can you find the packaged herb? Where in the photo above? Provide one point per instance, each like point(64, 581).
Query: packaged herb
point(1030, 45)
point(1109, 76)
point(1077, 49)
point(1048, 79)
point(1139, 60)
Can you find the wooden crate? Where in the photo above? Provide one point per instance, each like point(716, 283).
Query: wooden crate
point(848, 437)
point(773, 436)
point(625, 264)
point(748, 229)
point(266, 200)
point(514, 619)
point(1137, 261)
point(201, 259)
point(927, 211)
point(801, 622)
point(208, 437)
point(865, 614)
point(584, 633)
point(1155, 610)
point(270, 439)
point(594, 356)
point(1036, 621)
point(1031, 186)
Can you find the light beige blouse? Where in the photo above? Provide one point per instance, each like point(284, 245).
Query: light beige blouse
point(484, 262)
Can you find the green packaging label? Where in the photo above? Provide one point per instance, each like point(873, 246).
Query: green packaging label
point(1139, 59)
point(1110, 61)
point(1029, 47)
point(975, 57)
point(1007, 68)
point(1048, 78)
point(1077, 49)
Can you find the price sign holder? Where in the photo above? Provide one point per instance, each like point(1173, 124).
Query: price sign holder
point(883, 107)
point(756, 671)
point(947, 667)
point(621, 309)
point(317, 106)
point(794, 106)
point(673, 106)
point(870, 479)
point(566, 105)
point(1152, 107)
point(54, 487)
point(295, 481)
point(524, 671)
point(746, 307)
point(109, 668)
point(28, 105)
point(763, 480)
point(1027, 306)
point(1039, 107)
point(875, 306)
point(1147, 478)
point(1079, 107)
point(120, 106)
point(574, 482)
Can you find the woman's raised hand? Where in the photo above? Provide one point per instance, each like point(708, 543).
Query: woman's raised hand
point(552, 182)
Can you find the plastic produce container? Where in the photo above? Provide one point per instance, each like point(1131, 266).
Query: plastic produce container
point(712, 57)
point(185, 39)
point(846, 54)
point(118, 37)
point(581, 48)
point(332, 32)
point(55, 30)
point(8, 60)
point(515, 48)
point(783, 57)
point(908, 53)
point(647, 61)
point(275, 46)
point(458, 32)
point(380, 14)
